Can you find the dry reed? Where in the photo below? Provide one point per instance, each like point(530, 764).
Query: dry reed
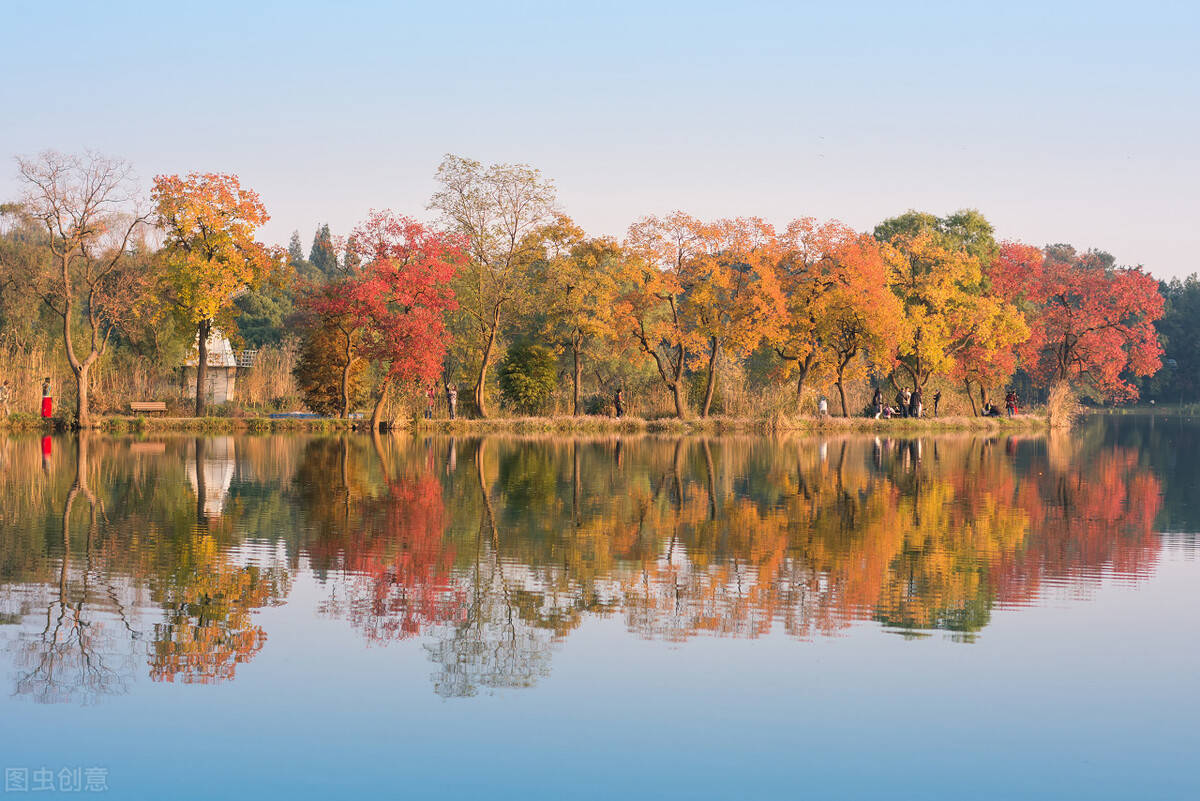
point(1062, 408)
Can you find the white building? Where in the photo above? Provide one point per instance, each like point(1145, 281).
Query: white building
point(220, 378)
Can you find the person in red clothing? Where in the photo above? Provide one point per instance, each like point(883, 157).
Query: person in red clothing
point(47, 401)
point(1010, 403)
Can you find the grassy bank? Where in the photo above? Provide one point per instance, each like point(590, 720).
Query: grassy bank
point(29, 422)
point(721, 425)
point(226, 424)
point(547, 425)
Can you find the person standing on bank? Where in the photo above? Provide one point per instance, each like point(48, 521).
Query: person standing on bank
point(4, 398)
point(914, 407)
point(452, 399)
point(822, 407)
point(877, 402)
point(619, 402)
point(937, 398)
point(1010, 403)
point(47, 401)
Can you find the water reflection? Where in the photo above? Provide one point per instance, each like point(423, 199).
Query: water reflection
point(126, 558)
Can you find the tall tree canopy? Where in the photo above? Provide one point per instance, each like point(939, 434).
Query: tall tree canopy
point(733, 297)
point(578, 285)
point(1093, 323)
point(92, 272)
point(496, 210)
point(389, 311)
point(651, 306)
point(966, 230)
point(210, 255)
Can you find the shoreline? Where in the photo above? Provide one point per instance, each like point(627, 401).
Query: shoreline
point(727, 425)
point(548, 425)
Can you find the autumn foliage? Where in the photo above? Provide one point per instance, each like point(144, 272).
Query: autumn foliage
point(389, 311)
point(1092, 323)
point(683, 309)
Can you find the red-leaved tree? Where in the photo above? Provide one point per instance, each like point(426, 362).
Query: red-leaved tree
point(391, 309)
point(1092, 322)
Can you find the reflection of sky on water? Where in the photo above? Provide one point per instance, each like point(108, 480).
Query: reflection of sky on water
point(1076, 699)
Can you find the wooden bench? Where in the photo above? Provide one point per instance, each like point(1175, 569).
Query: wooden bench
point(147, 406)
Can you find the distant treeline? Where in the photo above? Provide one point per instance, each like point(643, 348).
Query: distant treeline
point(502, 297)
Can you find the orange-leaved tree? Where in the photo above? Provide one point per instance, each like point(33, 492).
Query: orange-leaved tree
point(210, 255)
point(806, 275)
point(733, 298)
point(996, 329)
point(951, 314)
point(655, 280)
point(861, 319)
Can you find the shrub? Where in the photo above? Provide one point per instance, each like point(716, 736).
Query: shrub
point(527, 377)
point(599, 404)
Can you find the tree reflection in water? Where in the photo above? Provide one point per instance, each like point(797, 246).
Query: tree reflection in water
point(495, 550)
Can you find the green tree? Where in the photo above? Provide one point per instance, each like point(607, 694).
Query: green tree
point(497, 210)
point(1179, 329)
point(295, 249)
point(527, 377)
point(323, 254)
point(966, 229)
point(262, 315)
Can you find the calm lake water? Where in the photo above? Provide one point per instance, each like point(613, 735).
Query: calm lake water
point(736, 618)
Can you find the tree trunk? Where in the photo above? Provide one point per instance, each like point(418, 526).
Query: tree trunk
point(971, 398)
point(479, 392)
point(82, 412)
point(841, 371)
point(485, 362)
point(481, 381)
point(680, 406)
point(377, 412)
point(83, 415)
point(577, 377)
point(804, 368)
point(346, 385)
point(714, 356)
point(202, 365)
point(201, 482)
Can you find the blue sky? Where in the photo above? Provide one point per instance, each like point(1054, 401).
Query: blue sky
point(1060, 121)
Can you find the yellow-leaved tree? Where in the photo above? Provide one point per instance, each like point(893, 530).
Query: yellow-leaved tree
point(209, 253)
point(961, 325)
point(578, 285)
